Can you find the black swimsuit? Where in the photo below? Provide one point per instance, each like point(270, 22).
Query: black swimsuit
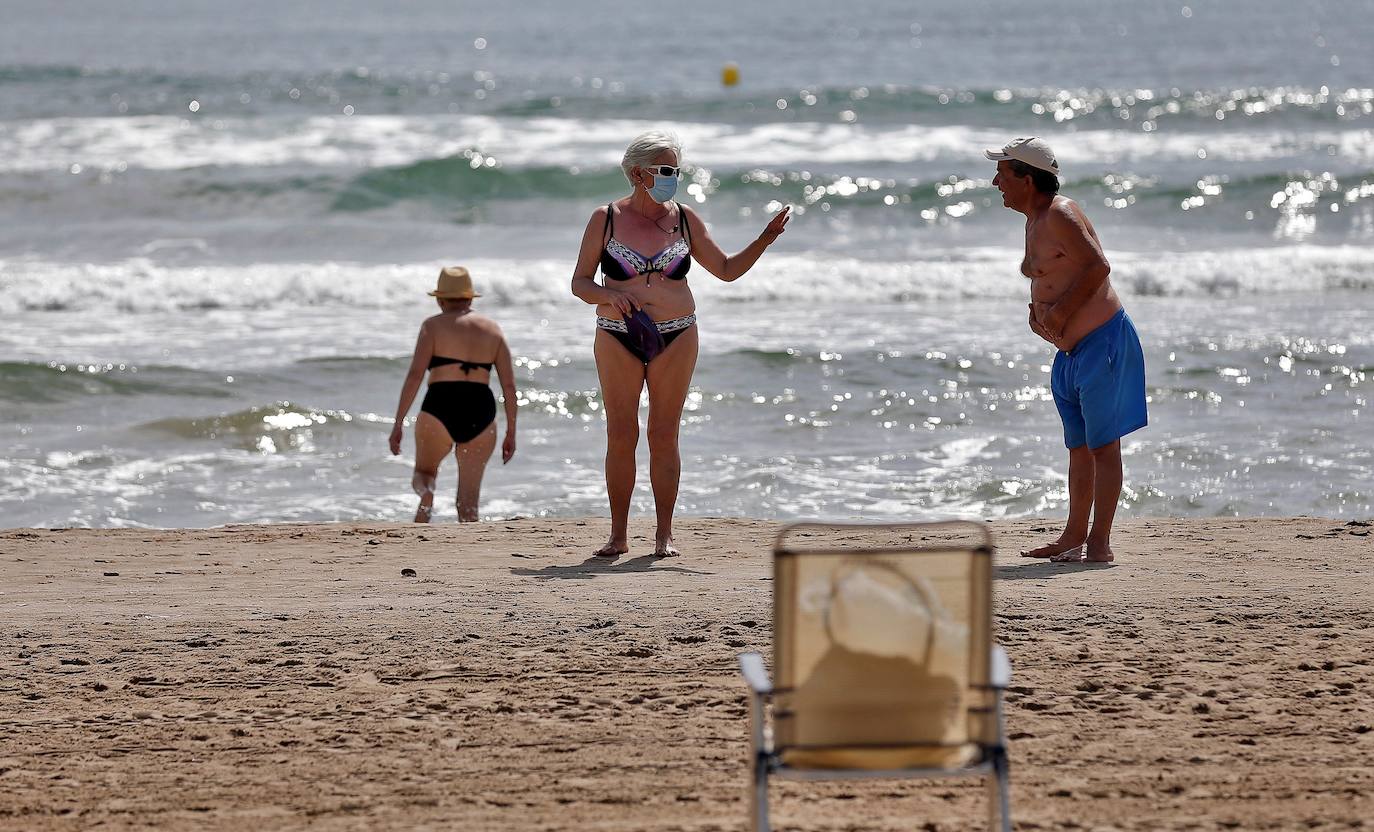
point(465, 366)
point(465, 408)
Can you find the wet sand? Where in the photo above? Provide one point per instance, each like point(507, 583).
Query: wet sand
point(1217, 676)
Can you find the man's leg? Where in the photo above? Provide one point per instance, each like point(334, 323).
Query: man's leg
point(1080, 465)
point(1106, 466)
point(1081, 478)
point(1114, 406)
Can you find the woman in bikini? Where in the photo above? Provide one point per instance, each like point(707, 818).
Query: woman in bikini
point(458, 348)
point(646, 323)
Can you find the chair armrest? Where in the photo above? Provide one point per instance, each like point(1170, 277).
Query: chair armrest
point(1000, 673)
point(751, 667)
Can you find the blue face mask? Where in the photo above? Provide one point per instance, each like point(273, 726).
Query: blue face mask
point(663, 189)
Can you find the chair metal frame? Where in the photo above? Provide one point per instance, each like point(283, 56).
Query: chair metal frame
point(765, 760)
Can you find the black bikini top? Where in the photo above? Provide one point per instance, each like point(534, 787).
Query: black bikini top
point(620, 262)
point(466, 366)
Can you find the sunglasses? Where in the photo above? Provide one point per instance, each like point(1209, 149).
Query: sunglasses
point(664, 170)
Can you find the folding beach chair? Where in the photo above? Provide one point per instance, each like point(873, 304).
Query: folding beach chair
point(884, 661)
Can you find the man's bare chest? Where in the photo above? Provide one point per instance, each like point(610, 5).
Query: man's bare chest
point(1044, 257)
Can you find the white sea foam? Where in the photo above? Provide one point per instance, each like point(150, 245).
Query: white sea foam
point(170, 143)
point(140, 285)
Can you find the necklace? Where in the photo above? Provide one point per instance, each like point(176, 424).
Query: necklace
point(672, 230)
point(658, 224)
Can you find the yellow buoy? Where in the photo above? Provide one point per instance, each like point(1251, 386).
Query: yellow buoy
point(729, 74)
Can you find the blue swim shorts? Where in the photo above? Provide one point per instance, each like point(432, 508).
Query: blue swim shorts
point(1099, 386)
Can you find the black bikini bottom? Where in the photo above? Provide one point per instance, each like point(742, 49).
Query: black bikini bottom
point(643, 338)
point(466, 408)
point(633, 346)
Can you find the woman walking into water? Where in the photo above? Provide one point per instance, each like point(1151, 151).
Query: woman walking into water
point(458, 348)
point(646, 321)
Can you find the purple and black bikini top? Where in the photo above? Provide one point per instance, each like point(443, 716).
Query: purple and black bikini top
point(620, 262)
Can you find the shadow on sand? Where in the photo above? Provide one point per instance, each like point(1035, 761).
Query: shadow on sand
point(1040, 570)
point(593, 566)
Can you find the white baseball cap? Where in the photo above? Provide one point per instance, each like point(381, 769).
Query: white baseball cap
point(1031, 150)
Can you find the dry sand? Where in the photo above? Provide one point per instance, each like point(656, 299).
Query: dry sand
point(282, 677)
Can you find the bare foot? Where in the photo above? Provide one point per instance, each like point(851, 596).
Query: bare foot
point(1099, 554)
point(423, 513)
point(613, 549)
point(1052, 550)
point(665, 549)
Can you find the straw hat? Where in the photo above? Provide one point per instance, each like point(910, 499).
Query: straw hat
point(454, 283)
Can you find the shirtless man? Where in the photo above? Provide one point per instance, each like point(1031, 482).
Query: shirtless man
point(1098, 378)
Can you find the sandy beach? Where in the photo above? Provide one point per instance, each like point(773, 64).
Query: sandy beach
point(282, 677)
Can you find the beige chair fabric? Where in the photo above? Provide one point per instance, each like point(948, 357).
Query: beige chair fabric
point(882, 654)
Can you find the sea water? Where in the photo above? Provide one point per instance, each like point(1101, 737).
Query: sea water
point(217, 226)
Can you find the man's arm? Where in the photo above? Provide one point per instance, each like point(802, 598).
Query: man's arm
point(1068, 228)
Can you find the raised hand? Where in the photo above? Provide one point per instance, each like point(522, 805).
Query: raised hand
point(777, 225)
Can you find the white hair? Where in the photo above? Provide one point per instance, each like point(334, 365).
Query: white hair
point(645, 149)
